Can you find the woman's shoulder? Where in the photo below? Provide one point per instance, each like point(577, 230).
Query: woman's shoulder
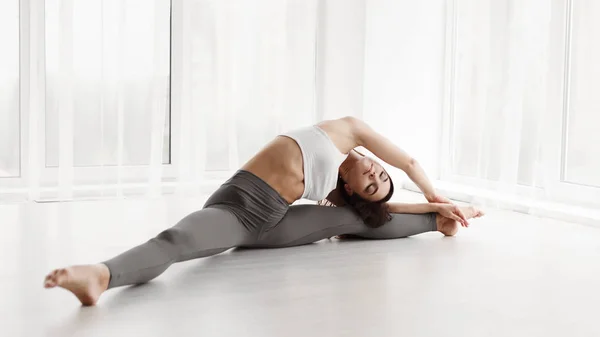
point(339, 125)
point(341, 132)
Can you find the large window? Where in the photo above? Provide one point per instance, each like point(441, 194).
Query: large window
point(522, 111)
point(108, 71)
point(100, 109)
point(499, 99)
point(9, 89)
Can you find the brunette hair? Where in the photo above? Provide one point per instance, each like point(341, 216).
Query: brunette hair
point(374, 213)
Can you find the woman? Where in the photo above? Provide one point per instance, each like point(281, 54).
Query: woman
point(249, 210)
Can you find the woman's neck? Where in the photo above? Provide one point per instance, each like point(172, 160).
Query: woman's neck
point(347, 164)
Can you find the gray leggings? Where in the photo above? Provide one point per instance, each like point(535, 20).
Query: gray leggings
point(247, 212)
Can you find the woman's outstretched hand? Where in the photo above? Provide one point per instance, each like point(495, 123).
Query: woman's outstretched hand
point(453, 212)
point(448, 209)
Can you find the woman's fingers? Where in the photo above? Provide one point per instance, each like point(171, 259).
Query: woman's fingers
point(450, 215)
point(458, 219)
point(458, 212)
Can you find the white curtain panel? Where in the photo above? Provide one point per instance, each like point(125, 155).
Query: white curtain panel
point(106, 90)
point(522, 105)
point(9, 89)
point(500, 90)
point(135, 91)
point(248, 73)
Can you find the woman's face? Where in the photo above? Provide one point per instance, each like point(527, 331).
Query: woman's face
point(368, 179)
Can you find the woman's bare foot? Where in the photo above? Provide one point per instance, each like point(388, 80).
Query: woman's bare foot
point(450, 227)
point(86, 282)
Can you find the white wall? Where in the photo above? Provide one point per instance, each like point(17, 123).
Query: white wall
point(403, 75)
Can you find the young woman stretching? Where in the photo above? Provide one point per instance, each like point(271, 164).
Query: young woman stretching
point(252, 209)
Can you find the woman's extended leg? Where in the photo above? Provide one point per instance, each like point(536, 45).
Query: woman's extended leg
point(305, 224)
point(203, 233)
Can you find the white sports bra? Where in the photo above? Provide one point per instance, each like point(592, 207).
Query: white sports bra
point(322, 160)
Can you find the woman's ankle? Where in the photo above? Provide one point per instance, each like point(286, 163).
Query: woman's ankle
point(103, 275)
point(446, 226)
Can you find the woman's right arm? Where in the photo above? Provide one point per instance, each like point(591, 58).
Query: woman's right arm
point(449, 211)
point(395, 207)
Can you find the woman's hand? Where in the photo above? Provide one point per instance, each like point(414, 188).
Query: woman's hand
point(453, 212)
point(436, 198)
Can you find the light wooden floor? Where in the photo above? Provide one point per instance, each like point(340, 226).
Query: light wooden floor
point(508, 275)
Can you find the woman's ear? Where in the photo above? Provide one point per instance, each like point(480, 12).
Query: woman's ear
point(348, 189)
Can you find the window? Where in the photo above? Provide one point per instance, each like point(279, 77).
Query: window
point(499, 102)
point(9, 89)
point(108, 72)
point(522, 110)
point(581, 162)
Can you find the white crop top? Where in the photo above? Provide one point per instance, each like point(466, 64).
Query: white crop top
point(322, 160)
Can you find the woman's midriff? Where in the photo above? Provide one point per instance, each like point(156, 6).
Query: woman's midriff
point(280, 165)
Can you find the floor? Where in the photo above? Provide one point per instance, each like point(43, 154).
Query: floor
point(510, 274)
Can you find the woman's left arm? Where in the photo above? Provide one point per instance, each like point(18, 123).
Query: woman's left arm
point(387, 151)
point(390, 153)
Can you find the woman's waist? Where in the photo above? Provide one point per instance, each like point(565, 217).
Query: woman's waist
point(246, 188)
point(280, 166)
point(256, 204)
point(287, 185)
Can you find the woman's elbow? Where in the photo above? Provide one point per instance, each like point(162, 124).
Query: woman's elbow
point(411, 165)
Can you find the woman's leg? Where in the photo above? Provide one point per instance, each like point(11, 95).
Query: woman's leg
point(203, 233)
point(305, 224)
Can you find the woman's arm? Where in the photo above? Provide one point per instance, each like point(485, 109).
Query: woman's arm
point(390, 153)
point(449, 211)
point(395, 207)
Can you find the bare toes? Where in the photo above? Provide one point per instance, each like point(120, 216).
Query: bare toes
point(54, 278)
point(49, 282)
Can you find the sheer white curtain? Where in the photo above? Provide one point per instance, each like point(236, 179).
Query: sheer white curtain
point(246, 73)
point(106, 92)
point(519, 107)
point(9, 89)
point(498, 93)
point(139, 95)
